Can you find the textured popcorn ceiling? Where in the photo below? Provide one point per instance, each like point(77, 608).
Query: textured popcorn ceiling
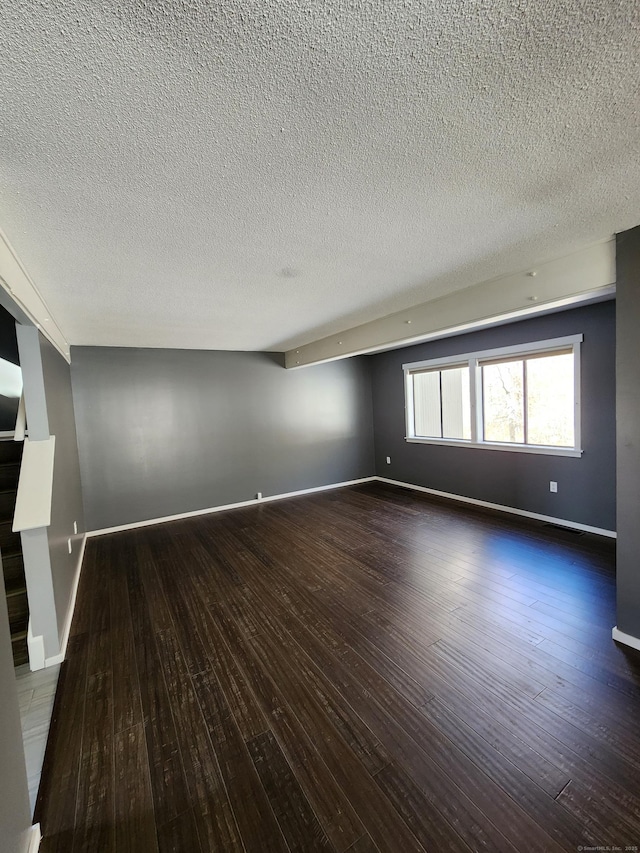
point(251, 174)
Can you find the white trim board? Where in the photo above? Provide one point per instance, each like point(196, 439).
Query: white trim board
point(34, 838)
point(35, 485)
point(628, 639)
point(150, 521)
point(37, 659)
point(70, 609)
point(35, 647)
point(583, 276)
point(25, 296)
point(573, 525)
point(562, 522)
point(549, 345)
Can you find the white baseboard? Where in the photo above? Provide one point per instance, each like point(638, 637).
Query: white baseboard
point(574, 525)
point(37, 659)
point(629, 640)
point(33, 839)
point(70, 609)
point(35, 647)
point(562, 522)
point(122, 527)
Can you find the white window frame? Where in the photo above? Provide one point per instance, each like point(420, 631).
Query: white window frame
point(472, 359)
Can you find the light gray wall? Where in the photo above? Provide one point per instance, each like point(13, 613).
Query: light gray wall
point(163, 432)
point(66, 505)
point(35, 400)
point(586, 486)
point(628, 437)
point(15, 812)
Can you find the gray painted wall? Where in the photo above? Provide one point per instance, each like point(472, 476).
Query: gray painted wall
point(163, 432)
point(35, 400)
point(67, 505)
point(628, 438)
point(586, 486)
point(15, 812)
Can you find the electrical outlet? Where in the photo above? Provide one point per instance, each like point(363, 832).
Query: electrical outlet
point(553, 486)
point(388, 460)
point(69, 545)
point(259, 496)
point(75, 526)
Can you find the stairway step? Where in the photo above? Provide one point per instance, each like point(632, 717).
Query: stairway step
point(13, 552)
point(17, 605)
point(10, 542)
point(7, 504)
point(16, 595)
point(11, 547)
point(10, 451)
point(19, 648)
point(20, 622)
point(9, 473)
point(13, 569)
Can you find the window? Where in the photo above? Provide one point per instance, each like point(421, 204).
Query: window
point(523, 398)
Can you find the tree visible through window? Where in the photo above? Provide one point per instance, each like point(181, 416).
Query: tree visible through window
point(530, 401)
point(522, 398)
point(503, 391)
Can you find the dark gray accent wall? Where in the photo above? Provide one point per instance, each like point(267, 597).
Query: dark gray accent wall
point(66, 503)
point(628, 437)
point(586, 485)
point(15, 812)
point(163, 432)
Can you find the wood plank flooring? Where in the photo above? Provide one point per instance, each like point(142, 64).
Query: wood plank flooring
point(36, 694)
point(361, 670)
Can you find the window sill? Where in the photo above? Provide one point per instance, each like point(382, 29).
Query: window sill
point(486, 445)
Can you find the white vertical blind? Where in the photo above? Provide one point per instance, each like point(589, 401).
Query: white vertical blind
point(456, 421)
point(426, 404)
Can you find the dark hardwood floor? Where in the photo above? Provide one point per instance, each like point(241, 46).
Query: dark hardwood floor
point(360, 670)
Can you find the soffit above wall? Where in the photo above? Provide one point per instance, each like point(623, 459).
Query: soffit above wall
point(260, 175)
point(22, 299)
point(585, 276)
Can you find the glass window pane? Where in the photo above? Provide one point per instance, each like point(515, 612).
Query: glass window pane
point(502, 387)
point(426, 404)
point(550, 400)
point(456, 415)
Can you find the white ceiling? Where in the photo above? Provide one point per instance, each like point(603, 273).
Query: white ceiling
point(256, 175)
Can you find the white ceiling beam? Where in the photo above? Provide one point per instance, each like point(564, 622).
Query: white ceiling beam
point(22, 292)
point(583, 276)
